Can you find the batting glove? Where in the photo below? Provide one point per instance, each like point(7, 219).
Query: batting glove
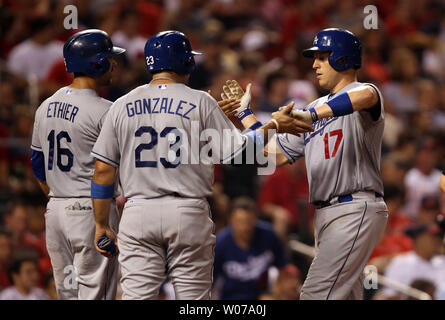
point(232, 89)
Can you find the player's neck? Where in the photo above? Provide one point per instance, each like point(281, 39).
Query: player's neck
point(84, 83)
point(344, 81)
point(169, 77)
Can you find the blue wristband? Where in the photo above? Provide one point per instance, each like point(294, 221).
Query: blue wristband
point(99, 191)
point(341, 105)
point(255, 126)
point(314, 114)
point(38, 165)
point(244, 114)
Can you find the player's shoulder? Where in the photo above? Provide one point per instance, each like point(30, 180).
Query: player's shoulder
point(368, 84)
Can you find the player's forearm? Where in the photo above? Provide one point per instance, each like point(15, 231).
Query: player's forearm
point(44, 186)
point(101, 211)
point(358, 99)
point(102, 191)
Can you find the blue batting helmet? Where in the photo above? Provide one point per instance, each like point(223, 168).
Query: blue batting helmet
point(87, 52)
point(344, 46)
point(169, 51)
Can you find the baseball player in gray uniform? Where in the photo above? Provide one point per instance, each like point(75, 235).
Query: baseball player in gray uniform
point(166, 228)
point(66, 127)
point(343, 162)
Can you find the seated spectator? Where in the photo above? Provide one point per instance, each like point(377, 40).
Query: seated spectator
point(423, 179)
point(36, 55)
point(423, 262)
point(244, 252)
point(5, 257)
point(25, 277)
point(127, 36)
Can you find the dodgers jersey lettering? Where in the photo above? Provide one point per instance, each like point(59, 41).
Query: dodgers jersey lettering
point(140, 127)
point(342, 154)
point(66, 127)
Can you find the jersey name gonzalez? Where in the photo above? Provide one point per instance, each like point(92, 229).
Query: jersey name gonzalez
point(164, 105)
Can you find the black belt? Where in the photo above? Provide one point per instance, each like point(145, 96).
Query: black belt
point(341, 199)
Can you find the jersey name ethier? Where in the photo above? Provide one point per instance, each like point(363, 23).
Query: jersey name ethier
point(62, 110)
point(157, 105)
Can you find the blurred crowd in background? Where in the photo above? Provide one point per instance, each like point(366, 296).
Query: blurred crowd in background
point(258, 41)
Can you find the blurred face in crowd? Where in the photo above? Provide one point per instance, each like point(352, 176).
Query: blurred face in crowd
point(428, 244)
point(243, 224)
point(28, 276)
point(327, 76)
point(5, 249)
point(16, 221)
point(426, 159)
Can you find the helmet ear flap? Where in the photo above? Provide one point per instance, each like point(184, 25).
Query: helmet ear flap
point(100, 67)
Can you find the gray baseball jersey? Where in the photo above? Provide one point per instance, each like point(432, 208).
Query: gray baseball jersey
point(342, 154)
point(155, 135)
point(66, 127)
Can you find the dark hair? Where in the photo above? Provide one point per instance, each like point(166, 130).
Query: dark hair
point(17, 264)
point(79, 74)
point(244, 203)
point(271, 78)
point(40, 24)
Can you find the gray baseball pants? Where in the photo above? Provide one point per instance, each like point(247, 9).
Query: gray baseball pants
point(345, 236)
point(80, 272)
point(167, 236)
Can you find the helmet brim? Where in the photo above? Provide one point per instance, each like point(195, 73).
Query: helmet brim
point(117, 50)
point(309, 53)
